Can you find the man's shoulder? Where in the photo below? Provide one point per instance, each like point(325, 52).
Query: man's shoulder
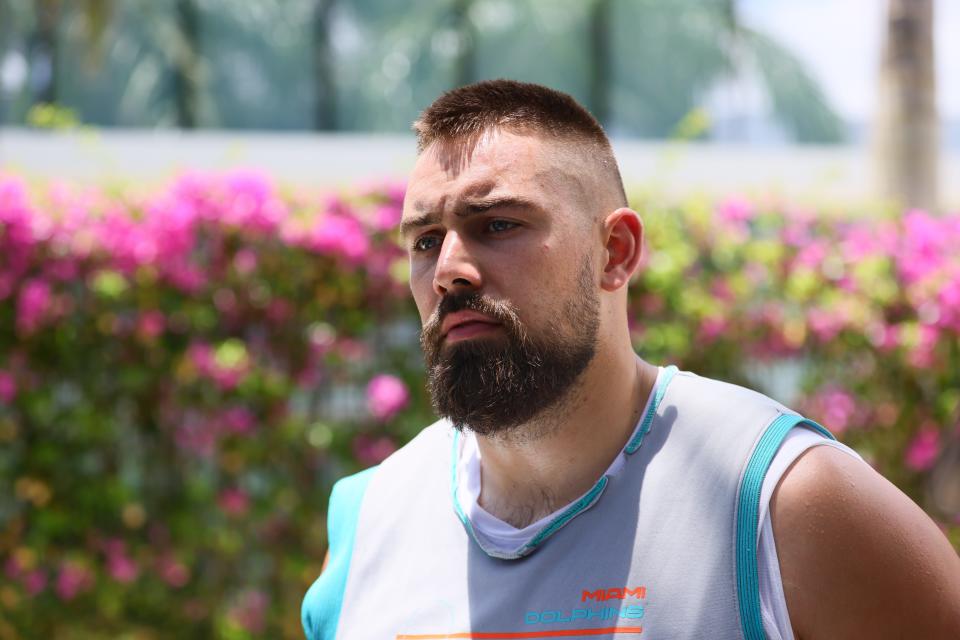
point(851, 544)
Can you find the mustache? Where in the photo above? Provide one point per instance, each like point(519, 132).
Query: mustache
point(501, 311)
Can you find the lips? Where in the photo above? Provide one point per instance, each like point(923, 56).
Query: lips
point(466, 324)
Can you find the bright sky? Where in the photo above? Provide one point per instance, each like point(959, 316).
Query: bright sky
point(840, 41)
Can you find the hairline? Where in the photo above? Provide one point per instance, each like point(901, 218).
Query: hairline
point(601, 155)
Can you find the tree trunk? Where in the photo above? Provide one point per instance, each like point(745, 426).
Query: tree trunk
point(465, 66)
point(600, 60)
point(43, 52)
point(187, 69)
point(325, 110)
point(907, 126)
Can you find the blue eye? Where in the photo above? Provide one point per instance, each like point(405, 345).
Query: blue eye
point(501, 225)
point(424, 243)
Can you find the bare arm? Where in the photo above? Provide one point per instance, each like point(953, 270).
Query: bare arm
point(858, 558)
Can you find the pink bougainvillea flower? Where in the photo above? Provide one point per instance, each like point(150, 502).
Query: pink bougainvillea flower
point(859, 243)
point(386, 396)
point(812, 255)
point(238, 420)
point(196, 436)
point(200, 355)
point(370, 450)
point(245, 261)
point(151, 324)
point(391, 190)
point(62, 270)
point(387, 217)
point(35, 581)
point(72, 580)
point(32, 304)
point(122, 569)
point(923, 450)
point(234, 502)
point(736, 209)
point(835, 407)
point(885, 337)
point(227, 365)
point(796, 232)
point(720, 289)
point(250, 202)
point(279, 311)
point(8, 387)
point(712, 327)
point(922, 353)
point(826, 324)
point(354, 350)
point(926, 242)
point(339, 235)
point(172, 571)
point(120, 566)
point(249, 612)
point(949, 298)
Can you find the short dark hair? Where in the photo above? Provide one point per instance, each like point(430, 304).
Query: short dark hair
point(472, 109)
point(465, 113)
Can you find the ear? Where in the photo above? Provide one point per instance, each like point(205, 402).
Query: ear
point(623, 241)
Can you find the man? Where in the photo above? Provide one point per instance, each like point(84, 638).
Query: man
point(572, 489)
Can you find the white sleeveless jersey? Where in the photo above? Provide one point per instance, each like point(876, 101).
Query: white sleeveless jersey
point(665, 548)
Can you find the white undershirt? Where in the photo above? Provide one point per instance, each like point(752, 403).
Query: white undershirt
point(773, 606)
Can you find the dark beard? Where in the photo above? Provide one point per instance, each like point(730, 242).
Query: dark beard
point(491, 385)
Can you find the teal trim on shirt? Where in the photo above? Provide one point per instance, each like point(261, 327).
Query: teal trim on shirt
point(748, 518)
point(585, 502)
point(320, 611)
point(658, 394)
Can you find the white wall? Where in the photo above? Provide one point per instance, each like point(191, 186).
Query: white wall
point(811, 174)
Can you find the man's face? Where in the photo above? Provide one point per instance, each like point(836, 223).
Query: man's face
point(503, 270)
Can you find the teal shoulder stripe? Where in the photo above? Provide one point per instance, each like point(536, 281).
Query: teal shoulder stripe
point(748, 519)
point(320, 611)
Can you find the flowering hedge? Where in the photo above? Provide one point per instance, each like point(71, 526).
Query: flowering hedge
point(183, 375)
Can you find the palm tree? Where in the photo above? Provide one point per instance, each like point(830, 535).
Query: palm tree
point(669, 53)
point(907, 125)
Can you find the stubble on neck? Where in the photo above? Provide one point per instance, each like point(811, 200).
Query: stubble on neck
point(554, 451)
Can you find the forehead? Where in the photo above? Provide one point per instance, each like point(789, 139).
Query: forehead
point(500, 162)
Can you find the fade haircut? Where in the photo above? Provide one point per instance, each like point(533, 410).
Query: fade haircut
point(464, 114)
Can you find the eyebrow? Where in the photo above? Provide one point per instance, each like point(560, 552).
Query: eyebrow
point(469, 208)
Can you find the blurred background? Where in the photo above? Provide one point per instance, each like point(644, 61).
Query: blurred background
point(204, 316)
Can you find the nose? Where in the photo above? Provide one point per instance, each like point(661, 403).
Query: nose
point(456, 267)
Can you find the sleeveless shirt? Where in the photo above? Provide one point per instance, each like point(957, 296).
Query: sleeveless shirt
point(666, 548)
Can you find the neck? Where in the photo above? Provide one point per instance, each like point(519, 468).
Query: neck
point(541, 466)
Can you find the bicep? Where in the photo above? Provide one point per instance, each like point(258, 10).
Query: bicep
point(858, 557)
